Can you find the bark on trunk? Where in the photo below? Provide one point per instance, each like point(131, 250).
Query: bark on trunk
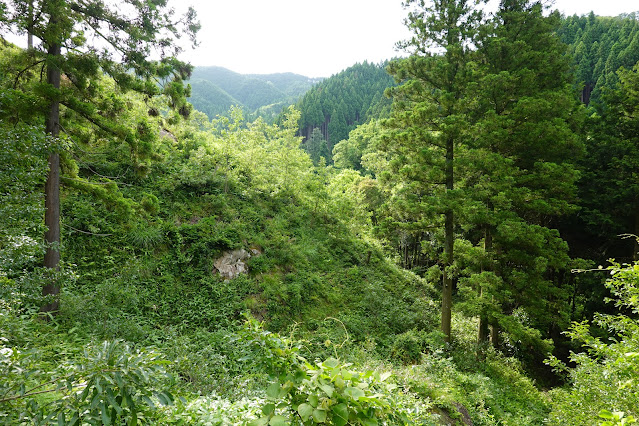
point(494, 335)
point(482, 333)
point(52, 189)
point(30, 27)
point(447, 291)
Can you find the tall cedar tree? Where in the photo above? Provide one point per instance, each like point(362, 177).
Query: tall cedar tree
point(82, 40)
point(429, 118)
point(523, 172)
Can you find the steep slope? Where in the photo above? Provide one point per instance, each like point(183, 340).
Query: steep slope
point(340, 103)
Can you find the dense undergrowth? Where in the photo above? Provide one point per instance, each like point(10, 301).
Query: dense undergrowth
point(149, 332)
point(324, 329)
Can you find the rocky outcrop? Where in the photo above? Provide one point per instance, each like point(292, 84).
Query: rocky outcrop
point(233, 263)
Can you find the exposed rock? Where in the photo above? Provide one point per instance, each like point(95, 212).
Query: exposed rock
point(461, 417)
point(164, 133)
point(233, 263)
point(465, 415)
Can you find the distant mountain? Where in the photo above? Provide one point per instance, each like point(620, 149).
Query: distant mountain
point(216, 89)
point(210, 98)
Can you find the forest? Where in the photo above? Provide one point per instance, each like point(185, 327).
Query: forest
point(445, 238)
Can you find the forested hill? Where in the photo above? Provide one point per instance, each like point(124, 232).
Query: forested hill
point(600, 46)
point(216, 89)
point(340, 103)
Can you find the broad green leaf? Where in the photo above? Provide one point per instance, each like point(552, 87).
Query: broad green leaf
point(313, 400)
point(273, 391)
point(268, 409)
point(331, 363)
point(278, 421)
point(338, 421)
point(354, 393)
point(328, 390)
point(341, 412)
point(319, 415)
point(262, 421)
point(370, 422)
point(305, 411)
point(605, 414)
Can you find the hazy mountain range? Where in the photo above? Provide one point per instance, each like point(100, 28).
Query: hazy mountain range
point(216, 89)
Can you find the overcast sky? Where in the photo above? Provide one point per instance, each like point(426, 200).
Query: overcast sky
point(317, 38)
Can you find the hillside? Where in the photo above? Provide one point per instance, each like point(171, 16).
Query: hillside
point(447, 266)
point(340, 103)
point(600, 46)
point(216, 89)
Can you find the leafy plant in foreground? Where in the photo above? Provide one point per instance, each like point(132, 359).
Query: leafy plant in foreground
point(605, 381)
point(112, 384)
point(322, 392)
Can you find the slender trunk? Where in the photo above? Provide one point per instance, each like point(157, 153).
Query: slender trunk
point(30, 27)
point(52, 187)
point(447, 290)
point(482, 333)
point(494, 335)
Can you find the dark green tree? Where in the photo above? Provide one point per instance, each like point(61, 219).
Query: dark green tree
point(609, 188)
point(80, 41)
point(429, 121)
point(523, 171)
point(599, 46)
point(316, 147)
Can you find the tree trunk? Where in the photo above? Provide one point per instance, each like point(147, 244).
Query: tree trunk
point(482, 333)
point(30, 28)
point(494, 335)
point(52, 187)
point(447, 290)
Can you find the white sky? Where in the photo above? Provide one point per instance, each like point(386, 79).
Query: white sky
point(317, 38)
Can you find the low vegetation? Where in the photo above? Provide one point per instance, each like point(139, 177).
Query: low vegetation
point(339, 312)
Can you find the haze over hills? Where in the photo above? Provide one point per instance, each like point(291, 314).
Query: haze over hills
point(216, 89)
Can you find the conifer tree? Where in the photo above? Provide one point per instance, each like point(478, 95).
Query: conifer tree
point(80, 41)
point(429, 120)
point(523, 167)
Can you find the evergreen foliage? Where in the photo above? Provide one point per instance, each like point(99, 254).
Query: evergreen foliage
point(481, 156)
point(340, 103)
point(599, 47)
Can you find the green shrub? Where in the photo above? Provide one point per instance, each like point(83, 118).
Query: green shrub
point(324, 392)
point(605, 380)
point(409, 346)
